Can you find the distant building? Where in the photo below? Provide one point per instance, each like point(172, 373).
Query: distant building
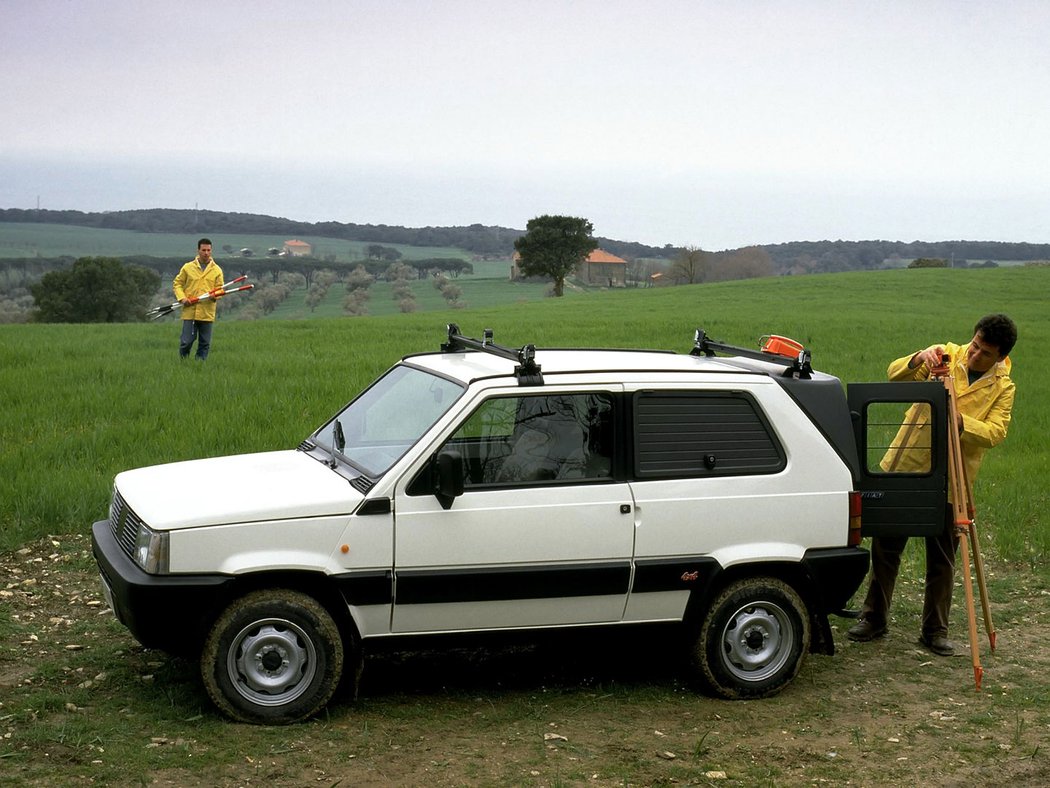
point(600, 268)
point(297, 248)
point(603, 269)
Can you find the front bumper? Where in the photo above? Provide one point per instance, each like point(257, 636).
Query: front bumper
point(167, 612)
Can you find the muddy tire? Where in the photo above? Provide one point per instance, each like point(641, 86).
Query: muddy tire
point(273, 657)
point(752, 641)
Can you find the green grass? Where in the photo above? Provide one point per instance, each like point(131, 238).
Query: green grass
point(80, 403)
point(84, 402)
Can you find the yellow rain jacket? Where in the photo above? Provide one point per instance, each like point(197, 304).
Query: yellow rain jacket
point(984, 406)
point(191, 281)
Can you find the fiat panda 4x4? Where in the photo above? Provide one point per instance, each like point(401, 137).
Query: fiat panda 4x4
point(489, 489)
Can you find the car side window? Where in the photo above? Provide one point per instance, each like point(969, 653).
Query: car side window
point(536, 439)
point(702, 433)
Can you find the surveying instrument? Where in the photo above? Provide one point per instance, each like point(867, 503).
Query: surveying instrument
point(963, 522)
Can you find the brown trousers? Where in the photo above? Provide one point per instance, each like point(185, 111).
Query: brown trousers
point(940, 580)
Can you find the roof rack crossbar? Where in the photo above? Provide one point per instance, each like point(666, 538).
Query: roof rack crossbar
point(799, 366)
point(527, 371)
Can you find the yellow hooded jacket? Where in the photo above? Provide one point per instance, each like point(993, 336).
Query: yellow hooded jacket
point(191, 282)
point(984, 406)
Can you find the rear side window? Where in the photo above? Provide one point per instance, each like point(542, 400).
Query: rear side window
point(697, 433)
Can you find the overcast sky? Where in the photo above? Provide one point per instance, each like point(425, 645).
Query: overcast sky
point(707, 123)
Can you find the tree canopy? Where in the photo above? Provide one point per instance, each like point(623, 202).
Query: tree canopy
point(95, 290)
point(692, 265)
point(553, 246)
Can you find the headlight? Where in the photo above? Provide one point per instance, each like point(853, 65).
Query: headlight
point(151, 551)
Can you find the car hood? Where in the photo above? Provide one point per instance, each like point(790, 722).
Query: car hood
point(243, 488)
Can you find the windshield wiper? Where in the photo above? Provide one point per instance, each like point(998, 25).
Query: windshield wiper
point(338, 442)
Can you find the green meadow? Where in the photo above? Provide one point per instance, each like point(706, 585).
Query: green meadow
point(82, 402)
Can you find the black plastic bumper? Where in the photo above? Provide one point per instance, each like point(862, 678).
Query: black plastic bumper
point(168, 612)
point(835, 574)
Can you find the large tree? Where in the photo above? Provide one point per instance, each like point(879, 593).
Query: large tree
point(553, 246)
point(95, 290)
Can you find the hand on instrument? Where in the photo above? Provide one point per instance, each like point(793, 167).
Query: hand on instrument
point(931, 357)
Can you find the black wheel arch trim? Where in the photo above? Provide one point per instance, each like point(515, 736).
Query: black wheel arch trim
point(173, 612)
point(167, 612)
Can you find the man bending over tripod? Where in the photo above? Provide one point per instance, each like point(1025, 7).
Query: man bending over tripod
point(985, 395)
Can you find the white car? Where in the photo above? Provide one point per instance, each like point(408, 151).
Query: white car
point(487, 489)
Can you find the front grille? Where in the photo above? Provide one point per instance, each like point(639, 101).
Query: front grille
point(124, 523)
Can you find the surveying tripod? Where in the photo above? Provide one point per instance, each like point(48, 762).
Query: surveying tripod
point(963, 522)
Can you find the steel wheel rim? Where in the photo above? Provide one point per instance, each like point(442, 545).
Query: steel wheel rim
point(271, 662)
point(757, 641)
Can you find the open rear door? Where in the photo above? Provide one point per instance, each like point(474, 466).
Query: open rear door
point(903, 447)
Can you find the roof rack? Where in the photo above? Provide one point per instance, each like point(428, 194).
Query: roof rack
point(527, 372)
point(797, 365)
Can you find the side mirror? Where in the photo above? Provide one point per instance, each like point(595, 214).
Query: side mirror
point(448, 484)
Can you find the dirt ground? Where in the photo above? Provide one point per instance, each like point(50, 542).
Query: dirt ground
point(82, 703)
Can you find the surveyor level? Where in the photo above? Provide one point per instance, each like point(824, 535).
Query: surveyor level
point(217, 293)
point(963, 522)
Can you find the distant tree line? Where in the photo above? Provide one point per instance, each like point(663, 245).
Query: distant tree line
point(802, 257)
point(477, 239)
point(694, 266)
point(796, 257)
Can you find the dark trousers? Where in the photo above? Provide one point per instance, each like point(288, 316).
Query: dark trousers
point(940, 580)
point(199, 330)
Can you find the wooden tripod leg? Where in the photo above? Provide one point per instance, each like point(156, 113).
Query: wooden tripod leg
point(963, 524)
point(971, 614)
point(963, 493)
point(978, 569)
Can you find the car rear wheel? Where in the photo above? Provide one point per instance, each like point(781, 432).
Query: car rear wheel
point(273, 657)
point(753, 639)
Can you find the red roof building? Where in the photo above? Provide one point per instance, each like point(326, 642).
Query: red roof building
point(603, 269)
point(297, 248)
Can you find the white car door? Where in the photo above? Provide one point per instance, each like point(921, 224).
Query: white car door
point(541, 536)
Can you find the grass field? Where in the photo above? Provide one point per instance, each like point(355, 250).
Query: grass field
point(83, 402)
point(80, 702)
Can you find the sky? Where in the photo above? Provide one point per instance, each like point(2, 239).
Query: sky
point(696, 123)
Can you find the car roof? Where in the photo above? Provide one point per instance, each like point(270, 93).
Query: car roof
point(466, 366)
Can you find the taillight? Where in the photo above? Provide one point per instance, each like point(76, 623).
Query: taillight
point(854, 519)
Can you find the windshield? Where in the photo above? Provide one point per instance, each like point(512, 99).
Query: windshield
point(387, 418)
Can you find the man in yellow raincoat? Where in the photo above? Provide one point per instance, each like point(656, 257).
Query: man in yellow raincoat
point(199, 276)
point(985, 396)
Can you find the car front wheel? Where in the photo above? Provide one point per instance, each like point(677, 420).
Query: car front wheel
point(753, 639)
point(273, 657)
